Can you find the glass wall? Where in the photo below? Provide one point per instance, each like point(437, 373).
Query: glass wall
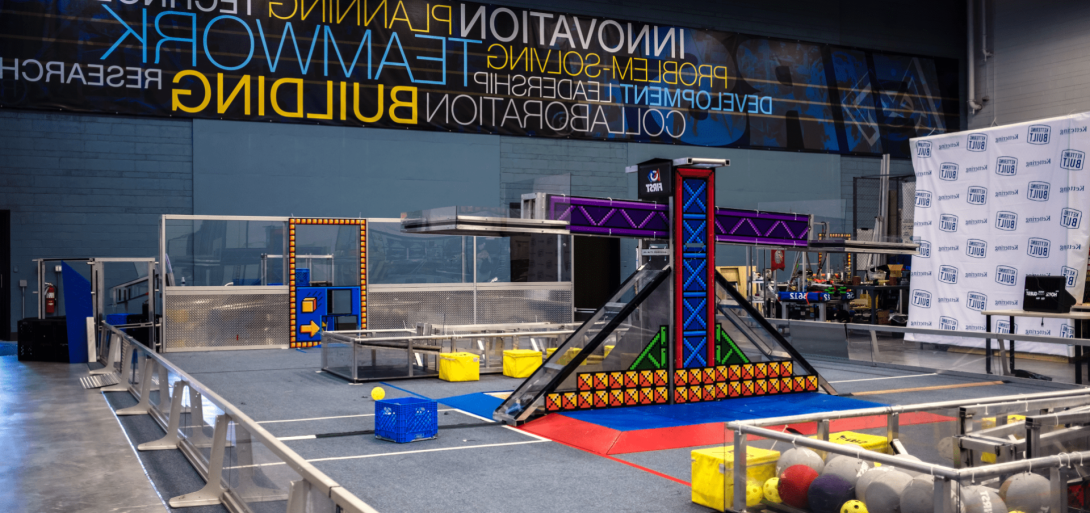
point(330, 252)
point(225, 252)
point(394, 257)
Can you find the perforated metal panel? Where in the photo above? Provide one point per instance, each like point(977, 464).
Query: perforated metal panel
point(510, 305)
point(391, 307)
point(204, 318)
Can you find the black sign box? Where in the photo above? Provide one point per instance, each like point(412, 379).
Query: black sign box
point(1047, 294)
point(655, 179)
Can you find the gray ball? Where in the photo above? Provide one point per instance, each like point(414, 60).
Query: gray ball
point(846, 467)
point(981, 499)
point(919, 495)
point(1026, 492)
point(799, 456)
point(867, 478)
point(884, 493)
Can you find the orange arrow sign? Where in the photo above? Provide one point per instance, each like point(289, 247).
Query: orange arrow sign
point(310, 329)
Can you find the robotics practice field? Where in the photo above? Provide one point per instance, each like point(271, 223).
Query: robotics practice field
point(630, 461)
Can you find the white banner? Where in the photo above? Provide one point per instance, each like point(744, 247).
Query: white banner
point(993, 206)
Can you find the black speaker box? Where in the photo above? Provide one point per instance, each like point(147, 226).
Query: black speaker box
point(43, 340)
point(1047, 294)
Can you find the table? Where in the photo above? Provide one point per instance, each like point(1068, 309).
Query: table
point(1080, 318)
point(782, 305)
point(874, 290)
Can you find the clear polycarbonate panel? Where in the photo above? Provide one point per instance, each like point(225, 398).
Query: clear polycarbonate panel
point(330, 252)
point(753, 335)
point(609, 326)
point(639, 342)
point(225, 252)
point(398, 258)
point(126, 287)
point(493, 259)
point(257, 476)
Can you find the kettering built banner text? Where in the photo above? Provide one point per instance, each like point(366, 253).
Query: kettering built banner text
point(467, 67)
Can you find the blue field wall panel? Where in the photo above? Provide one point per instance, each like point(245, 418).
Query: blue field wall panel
point(83, 185)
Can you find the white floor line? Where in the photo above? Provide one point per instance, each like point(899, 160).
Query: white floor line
point(542, 439)
point(300, 437)
point(339, 417)
point(490, 421)
point(888, 377)
point(362, 456)
point(531, 435)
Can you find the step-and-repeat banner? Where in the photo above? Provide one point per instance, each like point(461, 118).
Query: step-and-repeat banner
point(467, 67)
point(993, 206)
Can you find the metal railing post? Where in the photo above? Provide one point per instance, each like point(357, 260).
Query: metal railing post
point(1058, 483)
point(943, 494)
point(739, 473)
point(297, 496)
point(164, 388)
point(110, 359)
point(196, 420)
point(873, 346)
point(144, 404)
point(126, 371)
point(170, 441)
point(893, 427)
point(213, 488)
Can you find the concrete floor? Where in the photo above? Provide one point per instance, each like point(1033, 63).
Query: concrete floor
point(62, 447)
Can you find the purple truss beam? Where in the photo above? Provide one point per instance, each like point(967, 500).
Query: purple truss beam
point(627, 218)
point(761, 228)
point(617, 218)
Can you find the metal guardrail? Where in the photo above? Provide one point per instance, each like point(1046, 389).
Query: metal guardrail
point(233, 431)
point(946, 478)
point(984, 335)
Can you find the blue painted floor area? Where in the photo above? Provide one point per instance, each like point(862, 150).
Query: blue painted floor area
point(479, 404)
point(743, 408)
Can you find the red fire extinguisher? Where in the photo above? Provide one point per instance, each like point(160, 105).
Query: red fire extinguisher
point(50, 298)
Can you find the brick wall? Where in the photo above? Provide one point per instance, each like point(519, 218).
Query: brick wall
point(89, 186)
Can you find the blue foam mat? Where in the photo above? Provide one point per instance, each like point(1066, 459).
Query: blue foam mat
point(479, 404)
point(635, 418)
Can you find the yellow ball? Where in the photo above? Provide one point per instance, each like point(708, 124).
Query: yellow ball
point(378, 393)
point(853, 507)
point(753, 493)
point(772, 490)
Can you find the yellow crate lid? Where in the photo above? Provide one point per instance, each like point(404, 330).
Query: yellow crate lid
point(869, 442)
point(754, 455)
point(456, 356)
point(521, 352)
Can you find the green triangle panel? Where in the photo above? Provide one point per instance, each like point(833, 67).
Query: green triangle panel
point(653, 356)
point(726, 352)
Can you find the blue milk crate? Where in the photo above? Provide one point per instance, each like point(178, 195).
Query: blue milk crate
point(407, 419)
